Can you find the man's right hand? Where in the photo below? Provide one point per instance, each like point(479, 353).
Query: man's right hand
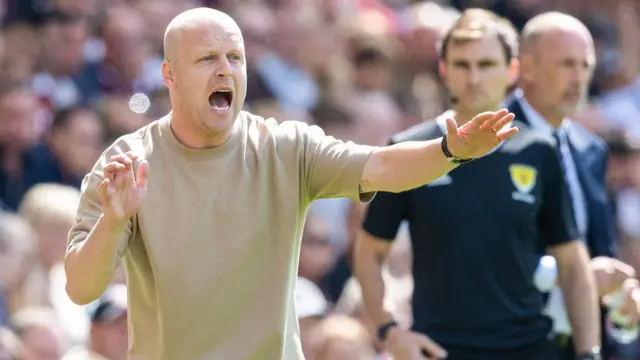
point(408, 345)
point(610, 274)
point(120, 193)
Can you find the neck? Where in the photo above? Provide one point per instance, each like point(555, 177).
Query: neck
point(195, 138)
point(12, 162)
point(554, 118)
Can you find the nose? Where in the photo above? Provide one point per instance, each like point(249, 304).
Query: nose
point(580, 75)
point(224, 68)
point(473, 75)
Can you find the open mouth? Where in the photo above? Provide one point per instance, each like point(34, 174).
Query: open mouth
point(220, 100)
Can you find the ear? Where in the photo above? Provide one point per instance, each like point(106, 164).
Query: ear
point(527, 66)
point(54, 139)
point(167, 72)
point(514, 71)
point(442, 70)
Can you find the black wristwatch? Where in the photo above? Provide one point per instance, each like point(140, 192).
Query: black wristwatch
point(594, 354)
point(383, 330)
point(452, 159)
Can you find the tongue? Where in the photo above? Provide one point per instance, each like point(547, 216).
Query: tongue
point(219, 101)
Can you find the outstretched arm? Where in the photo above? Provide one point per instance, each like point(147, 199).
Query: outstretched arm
point(409, 165)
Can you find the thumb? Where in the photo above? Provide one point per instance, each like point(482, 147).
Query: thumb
point(143, 175)
point(452, 127)
point(103, 192)
point(107, 196)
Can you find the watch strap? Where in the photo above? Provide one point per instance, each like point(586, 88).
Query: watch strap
point(449, 155)
point(594, 354)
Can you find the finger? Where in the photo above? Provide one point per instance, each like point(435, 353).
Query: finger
point(501, 123)
point(619, 277)
point(494, 117)
point(108, 195)
point(452, 127)
point(624, 269)
point(505, 134)
point(432, 349)
point(118, 182)
point(631, 284)
point(102, 191)
point(607, 300)
point(425, 356)
point(131, 155)
point(633, 313)
point(417, 354)
point(143, 175)
point(122, 159)
point(629, 309)
point(126, 180)
point(636, 306)
point(479, 120)
point(112, 168)
point(115, 202)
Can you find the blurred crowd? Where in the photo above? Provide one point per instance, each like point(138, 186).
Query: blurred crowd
point(77, 74)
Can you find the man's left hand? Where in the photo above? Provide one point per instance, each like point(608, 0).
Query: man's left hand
point(480, 135)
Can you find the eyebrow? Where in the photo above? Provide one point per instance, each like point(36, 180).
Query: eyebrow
point(481, 62)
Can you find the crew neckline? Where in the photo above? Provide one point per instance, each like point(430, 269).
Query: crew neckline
point(200, 154)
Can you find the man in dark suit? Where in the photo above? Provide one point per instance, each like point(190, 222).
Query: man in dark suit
point(557, 61)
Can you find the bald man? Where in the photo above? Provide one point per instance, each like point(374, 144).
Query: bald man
point(556, 65)
point(205, 206)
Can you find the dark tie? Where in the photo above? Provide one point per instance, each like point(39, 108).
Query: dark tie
point(572, 180)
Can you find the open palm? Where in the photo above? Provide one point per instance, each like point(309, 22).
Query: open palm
point(480, 135)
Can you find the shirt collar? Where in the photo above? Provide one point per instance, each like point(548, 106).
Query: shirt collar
point(535, 119)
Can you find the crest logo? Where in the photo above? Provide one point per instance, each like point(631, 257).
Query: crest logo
point(524, 178)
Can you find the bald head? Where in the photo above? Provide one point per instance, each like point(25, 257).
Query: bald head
point(548, 23)
point(206, 73)
point(195, 19)
point(556, 65)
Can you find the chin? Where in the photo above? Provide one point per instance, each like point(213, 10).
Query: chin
point(477, 107)
point(217, 125)
point(570, 110)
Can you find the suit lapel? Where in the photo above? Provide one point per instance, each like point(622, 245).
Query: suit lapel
point(583, 160)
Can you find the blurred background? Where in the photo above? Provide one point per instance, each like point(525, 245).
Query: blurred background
point(76, 74)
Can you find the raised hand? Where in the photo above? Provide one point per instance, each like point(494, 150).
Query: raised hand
point(480, 135)
point(120, 192)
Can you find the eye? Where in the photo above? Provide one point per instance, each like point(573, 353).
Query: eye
point(208, 58)
point(235, 57)
point(486, 64)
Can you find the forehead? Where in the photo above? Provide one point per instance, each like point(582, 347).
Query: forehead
point(562, 43)
point(486, 47)
point(210, 34)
